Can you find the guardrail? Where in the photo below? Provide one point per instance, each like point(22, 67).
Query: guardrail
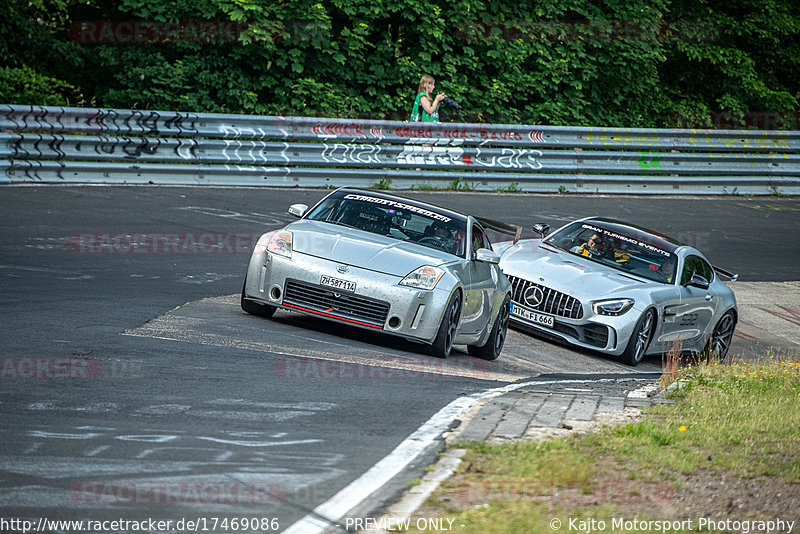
point(78, 145)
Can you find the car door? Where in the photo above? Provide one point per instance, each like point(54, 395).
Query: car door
point(482, 287)
point(686, 317)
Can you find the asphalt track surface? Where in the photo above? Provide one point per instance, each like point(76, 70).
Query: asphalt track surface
point(134, 387)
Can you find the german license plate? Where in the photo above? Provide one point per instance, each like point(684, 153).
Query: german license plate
point(532, 316)
point(337, 283)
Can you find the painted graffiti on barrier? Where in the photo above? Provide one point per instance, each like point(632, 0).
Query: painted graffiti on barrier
point(483, 135)
point(510, 158)
point(346, 153)
point(507, 158)
point(253, 149)
point(59, 147)
point(129, 146)
point(112, 121)
point(334, 130)
point(431, 155)
point(244, 149)
point(377, 133)
point(536, 136)
point(700, 139)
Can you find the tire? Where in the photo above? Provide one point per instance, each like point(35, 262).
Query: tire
point(494, 345)
point(443, 343)
point(640, 339)
point(254, 308)
point(720, 340)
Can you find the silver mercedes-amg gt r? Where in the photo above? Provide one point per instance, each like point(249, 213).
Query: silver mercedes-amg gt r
point(620, 289)
point(389, 264)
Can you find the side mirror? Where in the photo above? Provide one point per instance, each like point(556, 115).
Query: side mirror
point(541, 229)
point(298, 210)
point(698, 281)
point(487, 256)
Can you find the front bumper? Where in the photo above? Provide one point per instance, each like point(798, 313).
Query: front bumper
point(604, 333)
point(378, 302)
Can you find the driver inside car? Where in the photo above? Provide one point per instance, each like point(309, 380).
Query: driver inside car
point(443, 236)
point(592, 248)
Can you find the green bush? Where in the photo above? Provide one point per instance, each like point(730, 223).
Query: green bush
point(637, 63)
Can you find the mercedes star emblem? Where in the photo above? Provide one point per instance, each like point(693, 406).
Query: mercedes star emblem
point(534, 296)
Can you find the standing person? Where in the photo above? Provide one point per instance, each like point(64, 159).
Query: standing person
point(425, 109)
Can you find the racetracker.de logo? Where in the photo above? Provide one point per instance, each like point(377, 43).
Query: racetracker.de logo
point(387, 369)
point(118, 493)
point(162, 243)
point(50, 368)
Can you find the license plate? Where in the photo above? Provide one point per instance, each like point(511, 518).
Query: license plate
point(532, 316)
point(337, 283)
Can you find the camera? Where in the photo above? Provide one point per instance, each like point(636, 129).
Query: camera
point(450, 102)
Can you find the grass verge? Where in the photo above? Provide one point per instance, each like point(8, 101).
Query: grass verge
point(729, 422)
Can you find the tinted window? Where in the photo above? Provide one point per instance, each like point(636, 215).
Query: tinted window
point(618, 247)
point(479, 239)
point(394, 218)
point(695, 265)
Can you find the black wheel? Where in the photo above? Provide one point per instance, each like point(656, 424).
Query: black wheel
point(254, 308)
point(494, 345)
point(447, 329)
point(720, 340)
point(640, 339)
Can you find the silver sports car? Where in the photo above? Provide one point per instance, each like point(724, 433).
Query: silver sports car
point(619, 289)
point(385, 263)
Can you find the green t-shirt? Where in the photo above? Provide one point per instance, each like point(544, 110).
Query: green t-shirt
point(418, 113)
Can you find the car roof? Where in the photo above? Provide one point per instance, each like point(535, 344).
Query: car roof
point(444, 211)
point(639, 232)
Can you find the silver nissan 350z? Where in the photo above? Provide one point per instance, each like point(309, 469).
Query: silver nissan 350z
point(389, 264)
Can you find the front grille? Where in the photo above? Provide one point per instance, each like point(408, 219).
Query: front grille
point(552, 301)
point(323, 299)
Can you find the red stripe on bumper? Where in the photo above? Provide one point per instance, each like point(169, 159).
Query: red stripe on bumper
point(315, 312)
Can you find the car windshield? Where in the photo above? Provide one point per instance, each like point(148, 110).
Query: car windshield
point(621, 247)
point(395, 218)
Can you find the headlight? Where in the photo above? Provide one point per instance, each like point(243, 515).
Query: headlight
point(261, 244)
point(281, 244)
point(423, 278)
point(612, 307)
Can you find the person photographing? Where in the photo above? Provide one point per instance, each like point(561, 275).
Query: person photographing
point(426, 108)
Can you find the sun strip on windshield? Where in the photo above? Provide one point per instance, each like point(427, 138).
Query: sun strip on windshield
point(642, 244)
point(400, 206)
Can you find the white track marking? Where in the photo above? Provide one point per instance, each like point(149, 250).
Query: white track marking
point(333, 510)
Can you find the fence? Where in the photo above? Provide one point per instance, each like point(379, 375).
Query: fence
point(77, 145)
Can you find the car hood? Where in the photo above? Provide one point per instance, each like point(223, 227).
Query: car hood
point(562, 271)
point(362, 249)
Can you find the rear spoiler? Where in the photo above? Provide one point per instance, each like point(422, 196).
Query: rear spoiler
point(503, 228)
point(727, 274)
